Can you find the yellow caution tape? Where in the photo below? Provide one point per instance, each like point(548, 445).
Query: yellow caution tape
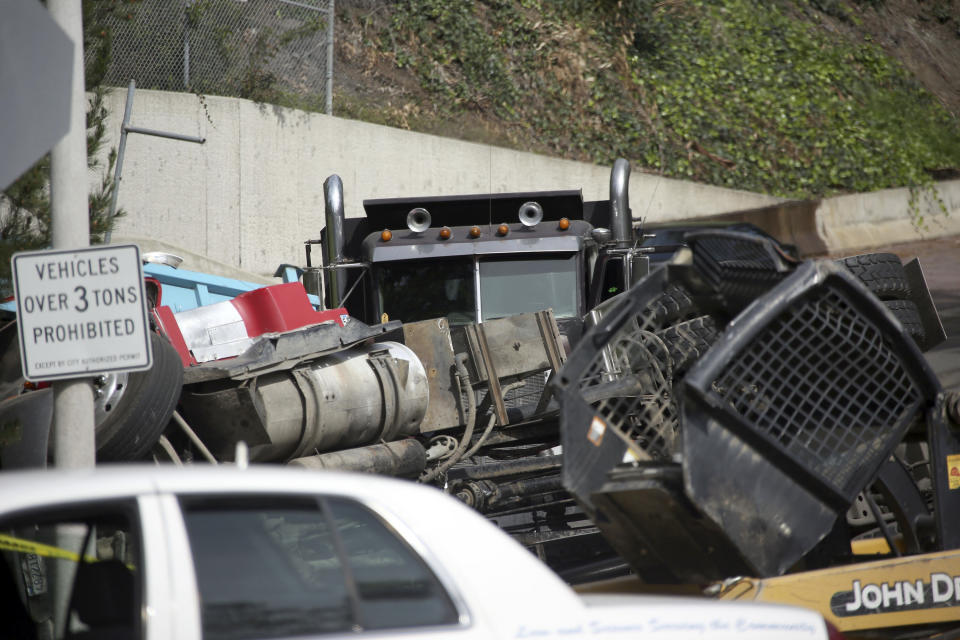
point(21, 545)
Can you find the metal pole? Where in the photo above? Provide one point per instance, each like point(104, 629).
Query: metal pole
point(118, 169)
point(186, 45)
point(73, 424)
point(329, 89)
point(72, 433)
point(166, 134)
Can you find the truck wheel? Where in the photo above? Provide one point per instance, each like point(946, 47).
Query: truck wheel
point(136, 407)
point(906, 312)
point(882, 273)
point(672, 305)
point(689, 340)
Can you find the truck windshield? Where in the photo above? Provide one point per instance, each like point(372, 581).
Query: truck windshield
point(520, 285)
point(419, 290)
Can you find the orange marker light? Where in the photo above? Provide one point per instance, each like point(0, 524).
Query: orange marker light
point(564, 224)
point(386, 235)
point(474, 232)
point(503, 229)
point(445, 233)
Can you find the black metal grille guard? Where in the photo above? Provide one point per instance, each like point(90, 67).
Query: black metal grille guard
point(780, 424)
point(794, 410)
point(622, 371)
point(817, 367)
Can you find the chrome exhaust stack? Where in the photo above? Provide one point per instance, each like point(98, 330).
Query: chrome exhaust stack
point(621, 225)
point(333, 242)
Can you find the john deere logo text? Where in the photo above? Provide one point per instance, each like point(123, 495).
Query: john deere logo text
point(942, 590)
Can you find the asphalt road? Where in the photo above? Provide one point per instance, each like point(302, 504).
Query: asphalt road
point(940, 260)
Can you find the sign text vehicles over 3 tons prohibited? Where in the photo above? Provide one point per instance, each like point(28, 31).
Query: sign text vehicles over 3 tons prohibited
point(81, 312)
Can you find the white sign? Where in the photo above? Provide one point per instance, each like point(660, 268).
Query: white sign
point(81, 312)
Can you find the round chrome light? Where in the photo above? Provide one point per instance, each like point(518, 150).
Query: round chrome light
point(418, 220)
point(530, 213)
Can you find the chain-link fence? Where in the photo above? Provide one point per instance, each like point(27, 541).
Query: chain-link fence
point(278, 51)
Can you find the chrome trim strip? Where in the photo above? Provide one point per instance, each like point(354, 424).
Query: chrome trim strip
point(387, 253)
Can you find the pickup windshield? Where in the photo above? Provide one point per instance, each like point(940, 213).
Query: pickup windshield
point(414, 290)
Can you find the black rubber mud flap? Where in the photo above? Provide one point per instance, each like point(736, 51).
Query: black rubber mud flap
point(132, 428)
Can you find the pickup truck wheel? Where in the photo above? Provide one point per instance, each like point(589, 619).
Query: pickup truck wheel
point(882, 273)
point(133, 409)
point(908, 315)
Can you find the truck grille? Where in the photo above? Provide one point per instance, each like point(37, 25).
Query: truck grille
point(526, 395)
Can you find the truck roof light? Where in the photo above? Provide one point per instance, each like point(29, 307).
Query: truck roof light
point(386, 235)
point(474, 232)
point(503, 229)
point(564, 224)
point(445, 233)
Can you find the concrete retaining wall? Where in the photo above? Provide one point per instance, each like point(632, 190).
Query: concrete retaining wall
point(245, 200)
point(252, 194)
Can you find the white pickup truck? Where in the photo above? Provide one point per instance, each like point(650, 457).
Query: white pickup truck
point(164, 553)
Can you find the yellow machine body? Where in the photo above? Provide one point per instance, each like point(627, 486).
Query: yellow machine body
point(890, 593)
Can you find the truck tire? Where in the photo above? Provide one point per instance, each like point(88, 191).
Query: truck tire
point(133, 425)
point(906, 312)
point(882, 273)
point(673, 305)
point(689, 340)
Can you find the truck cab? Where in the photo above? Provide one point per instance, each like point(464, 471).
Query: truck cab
point(475, 258)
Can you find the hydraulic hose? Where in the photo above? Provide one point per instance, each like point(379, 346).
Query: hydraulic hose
point(458, 454)
point(463, 380)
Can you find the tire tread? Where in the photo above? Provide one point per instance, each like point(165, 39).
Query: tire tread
point(148, 403)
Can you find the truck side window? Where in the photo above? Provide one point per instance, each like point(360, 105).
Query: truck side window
point(613, 282)
point(71, 574)
point(281, 567)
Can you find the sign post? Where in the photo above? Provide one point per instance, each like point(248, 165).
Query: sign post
point(81, 312)
point(73, 438)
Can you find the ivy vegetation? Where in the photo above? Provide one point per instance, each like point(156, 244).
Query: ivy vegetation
point(748, 94)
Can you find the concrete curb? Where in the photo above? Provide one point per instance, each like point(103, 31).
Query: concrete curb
point(856, 223)
point(861, 221)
